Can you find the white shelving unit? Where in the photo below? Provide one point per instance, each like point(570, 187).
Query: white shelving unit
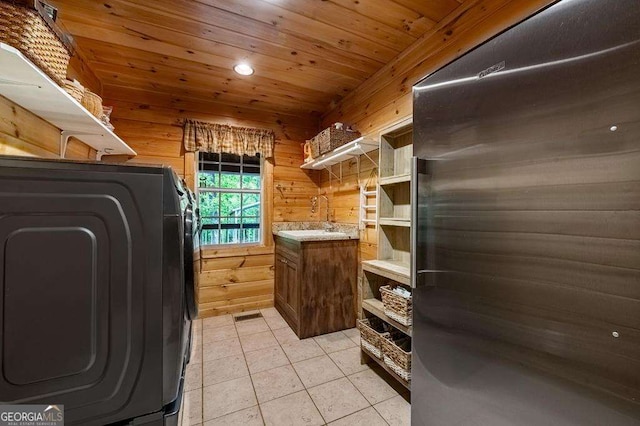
point(355, 148)
point(391, 180)
point(392, 269)
point(393, 215)
point(394, 203)
point(25, 84)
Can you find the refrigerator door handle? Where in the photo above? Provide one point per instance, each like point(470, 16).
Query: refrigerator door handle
point(419, 176)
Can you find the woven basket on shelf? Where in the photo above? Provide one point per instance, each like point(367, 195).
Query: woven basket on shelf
point(26, 30)
point(397, 307)
point(372, 333)
point(331, 138)
point(93, 103)
point(76, 92)
point(315, 148)
point(397, 356)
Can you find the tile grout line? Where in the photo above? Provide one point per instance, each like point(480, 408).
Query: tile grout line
point(360, 392)
point(344, 376)
point(366, 408)
point(201, 333)
point(305, 387)
point(202, 376)
point(285, 352)
point(290, 363)
point(372, 369)
point(379, 402)
point(354, 385)
point(347, 415)
point(380, 414)
point(314, 404)
point(225, 381)
point(244, 357)
point(299, 378)
point(294, 370)
point(235, 355)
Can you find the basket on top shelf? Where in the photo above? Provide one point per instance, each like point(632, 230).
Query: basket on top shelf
point(93, 103)
point(27, 27)
point(331, 138)
point(372, 332)
point(74, 89)
point(396, 353)
point(397, 306)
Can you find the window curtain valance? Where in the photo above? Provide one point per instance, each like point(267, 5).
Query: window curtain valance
point(210, 137)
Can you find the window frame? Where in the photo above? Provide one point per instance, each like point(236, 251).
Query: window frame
point(261, 191)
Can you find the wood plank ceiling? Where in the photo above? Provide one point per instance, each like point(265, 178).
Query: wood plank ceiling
point(307, 54)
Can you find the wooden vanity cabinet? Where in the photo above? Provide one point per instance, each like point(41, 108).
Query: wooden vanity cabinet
point(315, 285)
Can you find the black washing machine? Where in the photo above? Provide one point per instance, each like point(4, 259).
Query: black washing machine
point(97, 289)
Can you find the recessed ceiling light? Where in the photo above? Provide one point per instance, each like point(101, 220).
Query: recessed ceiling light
point(243, 69)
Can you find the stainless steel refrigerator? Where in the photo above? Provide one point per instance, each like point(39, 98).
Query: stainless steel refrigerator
point(526, 225)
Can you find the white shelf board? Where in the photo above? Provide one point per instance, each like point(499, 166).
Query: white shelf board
point(376, 307)
point(392, 269)
point(392, 180)
point(395, 221)
point(25, 84)
point(354, 148)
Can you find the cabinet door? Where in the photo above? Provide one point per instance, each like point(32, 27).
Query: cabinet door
point(281, 281)
point(293, 287)
point(286, 285)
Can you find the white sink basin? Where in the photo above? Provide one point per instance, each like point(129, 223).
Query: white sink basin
point(313, 234)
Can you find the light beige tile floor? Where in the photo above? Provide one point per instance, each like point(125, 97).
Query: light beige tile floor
point(257, 372)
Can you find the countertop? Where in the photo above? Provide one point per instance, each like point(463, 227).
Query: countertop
point(315, 231)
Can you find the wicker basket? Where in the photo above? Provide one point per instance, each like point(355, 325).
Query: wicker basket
point(76, 91)
point(331, 138)
point(315, 148)
point(26, 30)
point(372, 332)
point(397, 356)
point(397, 307)
point(93, 103)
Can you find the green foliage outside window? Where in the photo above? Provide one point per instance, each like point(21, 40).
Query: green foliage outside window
point(229, 217)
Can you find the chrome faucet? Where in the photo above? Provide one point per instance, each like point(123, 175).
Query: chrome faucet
point(327, 225)
point(326, 200)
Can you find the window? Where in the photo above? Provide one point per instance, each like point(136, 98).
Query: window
point(229, 189)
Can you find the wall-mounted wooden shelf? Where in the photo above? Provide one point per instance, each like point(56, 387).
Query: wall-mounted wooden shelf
point(25, 84)
point(357, 147)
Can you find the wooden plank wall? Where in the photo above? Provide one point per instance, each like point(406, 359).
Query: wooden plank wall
point(231, 279)
point(234, 280)
point(23, 133)
point(241, 279)
point(386, 99)
point(344, 197)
